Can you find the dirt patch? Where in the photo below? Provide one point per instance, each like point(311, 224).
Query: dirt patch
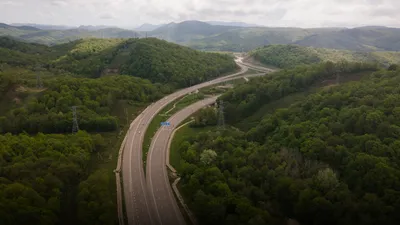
point(20, 89)
point(253, 61)
point(109, 71)
point(343, 78)
point(17, 101)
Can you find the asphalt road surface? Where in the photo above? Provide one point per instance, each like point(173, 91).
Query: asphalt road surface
point(141, 211)
point(167, 211)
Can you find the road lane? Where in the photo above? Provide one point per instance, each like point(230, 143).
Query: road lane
point(167, 209)
point(141, 211)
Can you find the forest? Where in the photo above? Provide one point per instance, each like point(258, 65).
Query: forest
point(150, 58)
point(244, 100)
point(333, 158)
point(50, 175)
point(290, 56)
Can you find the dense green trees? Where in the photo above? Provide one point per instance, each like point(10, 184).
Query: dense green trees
point(247, 98)
point(50, 112)
point(40, 173)
point(330, 159)
point(158, 61)
point(285, 56)
point(48, 178)
point(205, 117)
point(149, 58)
point(290, 56)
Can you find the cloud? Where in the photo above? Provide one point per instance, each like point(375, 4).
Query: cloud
point(10, 3)
point(305, 13)
point(106, 16)
point(59, 3)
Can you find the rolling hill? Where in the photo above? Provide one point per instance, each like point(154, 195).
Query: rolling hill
point(58, 175)
point(361, 39)
point(226, 37)
point(52, 37)
point(204, 36)
point(187, 31)
point(148, 58)
point(287, 56)
point(321, 152)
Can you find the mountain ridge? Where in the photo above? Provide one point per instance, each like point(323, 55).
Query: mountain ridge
point(205, 36)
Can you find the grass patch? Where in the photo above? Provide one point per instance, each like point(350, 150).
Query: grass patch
point(162, 116)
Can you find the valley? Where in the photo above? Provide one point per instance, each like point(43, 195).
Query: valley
point(278, 125)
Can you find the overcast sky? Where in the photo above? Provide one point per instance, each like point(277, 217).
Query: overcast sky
point(131, 13)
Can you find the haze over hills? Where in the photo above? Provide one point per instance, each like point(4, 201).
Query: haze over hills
point(236, 37)
point(148, 27)
point(233, 24)
point(43, 26)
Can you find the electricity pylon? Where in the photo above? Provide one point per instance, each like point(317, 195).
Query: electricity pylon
point(39, 82)
point(221, 117)
point(75, 126)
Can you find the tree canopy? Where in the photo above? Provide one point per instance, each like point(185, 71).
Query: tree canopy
point(332, 158)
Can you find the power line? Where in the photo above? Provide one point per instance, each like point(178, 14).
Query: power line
point(75, 126)
point(221, 117)
point(39, 82)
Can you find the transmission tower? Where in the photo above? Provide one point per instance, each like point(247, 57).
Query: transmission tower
point(39, 82)
point(75, 126)
point(221, 118)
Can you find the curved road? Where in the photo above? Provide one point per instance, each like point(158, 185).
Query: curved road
point(141, 211)
point(167, 211)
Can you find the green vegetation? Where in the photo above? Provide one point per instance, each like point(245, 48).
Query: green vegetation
point(203, 120)
point(289, 56)
point(150, 58)
point(203, 36)
point(246, 99)
point(52, 37)
point(246, 39)
point(180, 136)
point(48, 175)
point(330, 158)
point(164, 115)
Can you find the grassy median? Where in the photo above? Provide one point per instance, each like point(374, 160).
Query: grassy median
point(162, 116)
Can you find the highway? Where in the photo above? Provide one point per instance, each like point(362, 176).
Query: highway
point(167, 211)
point(139, 210)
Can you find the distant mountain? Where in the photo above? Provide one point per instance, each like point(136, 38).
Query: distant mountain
point(43, 26)
point(27, 28)
point(94, 28)
point(51, 37)
point(204, 36)
point(234, 24)
point(361, 39)
point(148, 27)
point(188, 30)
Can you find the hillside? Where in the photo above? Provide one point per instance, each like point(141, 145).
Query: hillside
point(52, 36)
point(56, 174)
point(153, 59)
point(247, 39)
point(289, 56)
point(359, 39)
point(188, 30)
point(225, 36)
point(329, 158)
